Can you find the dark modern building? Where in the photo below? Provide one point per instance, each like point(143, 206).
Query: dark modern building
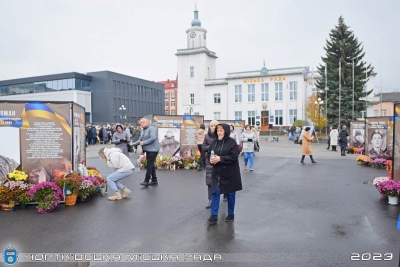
point(108, 97)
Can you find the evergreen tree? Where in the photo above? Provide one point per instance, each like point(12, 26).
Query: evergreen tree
point(343, 47)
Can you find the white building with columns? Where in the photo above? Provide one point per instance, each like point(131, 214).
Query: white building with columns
point(275, 97)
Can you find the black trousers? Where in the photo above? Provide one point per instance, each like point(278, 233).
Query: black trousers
point(151, 169)
point(202, 160)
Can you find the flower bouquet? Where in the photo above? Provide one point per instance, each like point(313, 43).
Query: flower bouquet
point(17, 176)
point(379, 162)
point(360, 150)
point(141, 161)
point(379, 180)
point(88, 187)
point(349, 149)
point(70, 183)
point(362, 159)
point(176, 162)
point(48, 194)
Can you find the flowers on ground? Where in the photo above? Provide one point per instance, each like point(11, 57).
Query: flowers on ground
point(48, 194)
point(363, 159)
point(360, 150)
point(379, 162)
point(88, 186)
point(379, 180)
point(20, 190)
point(389, 188)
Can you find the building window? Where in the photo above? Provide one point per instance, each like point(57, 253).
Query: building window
point(278, 92)
point(115, 87)
point(172, 95)
point(292, 116)
point(217, 98)
point(238, 115)
point(172, 103)
point(383, 113)
point(172, 112)
point(191, 71)
point(376, 113)
point(251, 117)
point(278, 117)
point(166, 96)
point(166, 112)
point(166, 104)
point(192, 99)
point(264, 92)
point(293, 90)
point(217, 115)
point(238, 93)
point(251, 92)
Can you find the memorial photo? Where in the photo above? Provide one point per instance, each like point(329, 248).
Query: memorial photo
point(377, 143)
point(169, 141)
point(357, 137)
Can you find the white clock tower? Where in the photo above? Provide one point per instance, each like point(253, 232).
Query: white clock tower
point(195, 64)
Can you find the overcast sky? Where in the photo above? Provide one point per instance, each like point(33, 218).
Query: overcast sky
point(140, 38)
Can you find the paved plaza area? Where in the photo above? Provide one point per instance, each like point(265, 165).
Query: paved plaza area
point(288, 214)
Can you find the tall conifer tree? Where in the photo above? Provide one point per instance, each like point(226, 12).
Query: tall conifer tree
point(343, 47)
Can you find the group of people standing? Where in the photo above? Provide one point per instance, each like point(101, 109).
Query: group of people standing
point(220, 155)
point(338, 138)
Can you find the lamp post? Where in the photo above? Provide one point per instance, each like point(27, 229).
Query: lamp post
point(319, 102)
point(122, 110)
point(326, 98)
point(340, 89)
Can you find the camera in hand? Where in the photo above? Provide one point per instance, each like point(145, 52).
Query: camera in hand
point(250, 140)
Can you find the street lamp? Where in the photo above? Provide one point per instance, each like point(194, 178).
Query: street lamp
point(319, 102)
point(122, 110)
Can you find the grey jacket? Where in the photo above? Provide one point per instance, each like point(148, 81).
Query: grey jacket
point(150, 139)
point(248, 146)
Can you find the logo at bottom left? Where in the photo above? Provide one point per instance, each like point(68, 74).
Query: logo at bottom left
point(10, 255)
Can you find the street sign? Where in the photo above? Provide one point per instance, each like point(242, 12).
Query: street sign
point(257, 123)
point(257, 117)
point(271, 118)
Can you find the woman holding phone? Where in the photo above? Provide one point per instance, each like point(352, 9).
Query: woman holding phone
point(248, 139)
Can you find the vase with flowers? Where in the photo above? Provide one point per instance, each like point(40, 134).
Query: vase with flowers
point(48, 194)
point(390, 188)
point(7, 198)
point(379, 180)
point(70, 184)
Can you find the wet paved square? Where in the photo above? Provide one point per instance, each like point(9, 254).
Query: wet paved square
point(287, 215)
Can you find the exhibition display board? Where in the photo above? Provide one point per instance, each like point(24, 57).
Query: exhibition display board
point(396, 142)
point(379, 137)
point(357, 133)
point(41, 138)
point(177, 134)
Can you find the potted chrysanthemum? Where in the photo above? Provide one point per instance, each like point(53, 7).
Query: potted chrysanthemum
point(390, 188)
point(48, 194)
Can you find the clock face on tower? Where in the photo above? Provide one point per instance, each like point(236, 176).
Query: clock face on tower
point(192, 34)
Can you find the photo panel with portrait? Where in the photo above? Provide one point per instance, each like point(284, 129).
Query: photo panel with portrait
point(169, 139)
point(358, 137)
point(376, 143)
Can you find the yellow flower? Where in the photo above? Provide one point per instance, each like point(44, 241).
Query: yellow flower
point(18, 176)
